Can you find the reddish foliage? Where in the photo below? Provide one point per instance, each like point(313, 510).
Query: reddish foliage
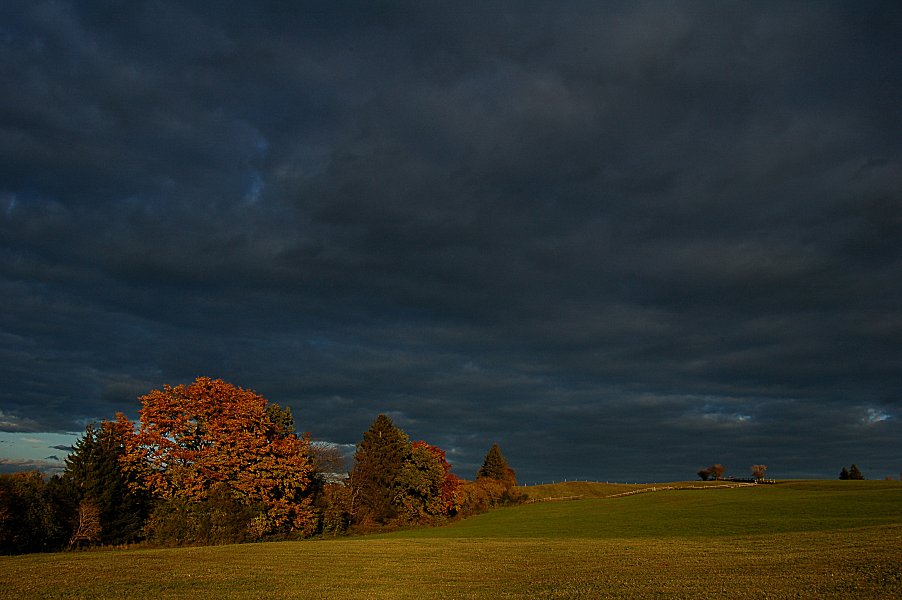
point(193, 437)
point(450, 483)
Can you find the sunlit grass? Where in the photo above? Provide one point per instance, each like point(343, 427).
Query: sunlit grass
point(697, 512)
point(807, 539)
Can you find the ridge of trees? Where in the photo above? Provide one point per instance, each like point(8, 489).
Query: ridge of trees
point(852, 473)
point(714, 472)
point(396, 482)
point(212, 463)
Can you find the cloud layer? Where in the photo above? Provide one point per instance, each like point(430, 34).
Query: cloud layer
point(623, 241)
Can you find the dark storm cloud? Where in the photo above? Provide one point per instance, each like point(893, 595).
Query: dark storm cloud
point(625, 240)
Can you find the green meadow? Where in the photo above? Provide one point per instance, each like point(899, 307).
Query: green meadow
point(817, 539)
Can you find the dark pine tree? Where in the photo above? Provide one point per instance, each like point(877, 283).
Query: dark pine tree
point(93, 470)
point(495, 467)
point(855, 474)
point(378, 462)
point(844, 474)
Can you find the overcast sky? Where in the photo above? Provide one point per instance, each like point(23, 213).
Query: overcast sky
point(624, 240)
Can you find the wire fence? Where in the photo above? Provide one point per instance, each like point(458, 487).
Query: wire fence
point(654, 488)
point(711, 482)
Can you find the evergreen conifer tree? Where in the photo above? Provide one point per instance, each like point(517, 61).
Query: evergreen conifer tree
point(378, 462)
point(854, 473)
point(93, 470)
point(495, 467)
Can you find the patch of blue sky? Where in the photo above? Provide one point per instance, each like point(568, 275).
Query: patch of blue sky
point(36, 446)
point(873, 415)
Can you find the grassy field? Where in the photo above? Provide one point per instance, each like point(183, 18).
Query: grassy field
point(791, 540)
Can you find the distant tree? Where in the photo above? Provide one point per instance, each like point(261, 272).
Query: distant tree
point(715, 471)
point(378, 461)
point(854, 473)
point(328, 460)
point(844, 474)
point(495, 467)
point(331, 497)
point(93, 470)
point(758, 471)
point(193, 438)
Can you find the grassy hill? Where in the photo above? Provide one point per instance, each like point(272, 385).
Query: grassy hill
point(690, 510)
point(588, 489)
point(794, 539)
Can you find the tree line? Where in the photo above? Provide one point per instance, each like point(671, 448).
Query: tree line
point(212, 463)
point(852, 473)
point(716, 472)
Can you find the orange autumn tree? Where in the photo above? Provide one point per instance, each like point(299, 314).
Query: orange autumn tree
point(211, 433)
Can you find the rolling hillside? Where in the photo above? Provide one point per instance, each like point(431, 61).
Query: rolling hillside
point(611, 511)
